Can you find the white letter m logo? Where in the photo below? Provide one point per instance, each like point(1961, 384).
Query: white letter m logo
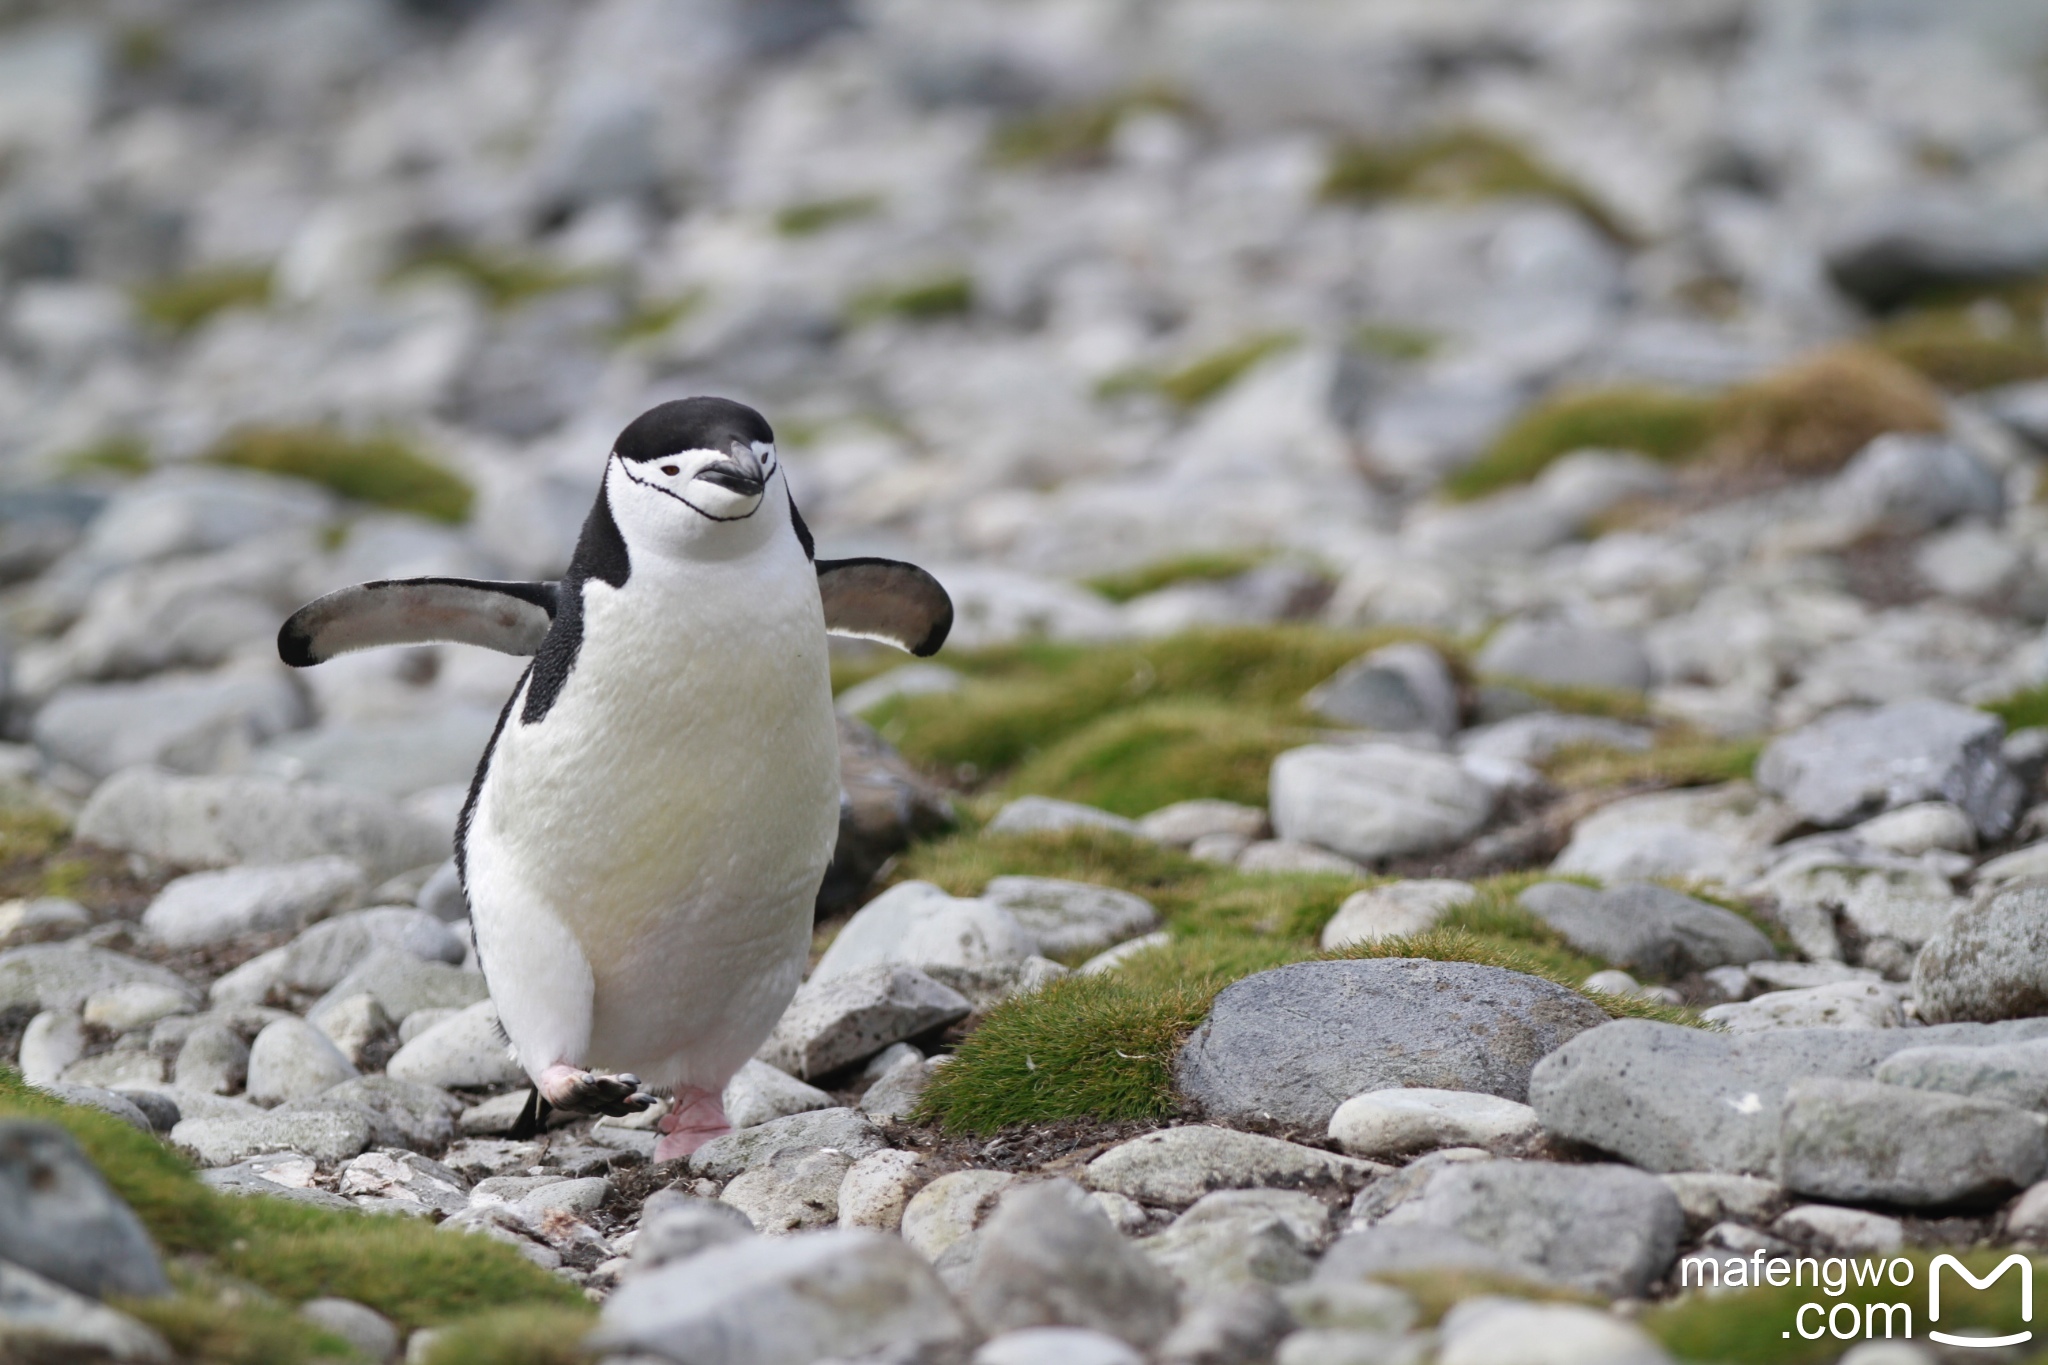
point(2026, 1269)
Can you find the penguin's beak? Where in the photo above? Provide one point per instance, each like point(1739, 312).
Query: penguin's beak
point(742, 473)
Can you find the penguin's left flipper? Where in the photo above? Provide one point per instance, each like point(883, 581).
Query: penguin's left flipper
point(512, 618)
point(887, 600)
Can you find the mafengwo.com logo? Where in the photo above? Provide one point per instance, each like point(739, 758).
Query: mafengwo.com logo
point(1861, 1317)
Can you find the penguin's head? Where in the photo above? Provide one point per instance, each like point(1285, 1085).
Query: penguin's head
point(691, 472)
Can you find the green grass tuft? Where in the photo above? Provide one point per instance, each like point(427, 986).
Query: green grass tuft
point(2022, 710)
point(948, 295)
point(1689, 763)
point(406, 1269)
point(224, 1323)
point(1656, 422)
point(522, 1336)
point(1391, 341)
point(125, 455)
point(652, 317)
point(1023, 699)
point(1075, 135)
point(816, 215)
point(1152, 755)
point(377, 469)
point(1164, 573)
point(506, 279)
point(1201, 379)
point(1457, 164)
point(183, 302)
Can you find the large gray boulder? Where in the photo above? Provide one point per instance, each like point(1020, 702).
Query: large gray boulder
point(1668, 1098)
point(1290, 1045)
point(846, 1018)
point(59, 1219)
point(1853, 763)
point(1989, 961)
point(2015, 1074)
point(1400, 687)
point(189, 723)
point(1608, 1230)
point(222, 821)
point(1864, 1142)
point(1370, 801)
point(41, 1320)
point(787, 1301)
point(208, 907)
point(1567, 654)
point(1648, 929)
point(843, 1130)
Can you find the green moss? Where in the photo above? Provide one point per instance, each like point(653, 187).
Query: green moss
point(1164, 573)
point(182, 302)
point(1025, 698)
point(1611, 703)
point(1153, 755)
point(816, 215)
point(927, 300)
point(2021, 710)
point(1662, 424)
point(1457, 164)
point(652, 317)
point(1394, 342)
point(537, 1336)
point(408, 1270)
point(379, 469)
point(125, 455)
point(1757, 1326)
point(1957, 350)
point(506, 279)
point(1201, 379)
point(1075, 134)
point(30, 831)
point(223, 1323)
point(1693, 763)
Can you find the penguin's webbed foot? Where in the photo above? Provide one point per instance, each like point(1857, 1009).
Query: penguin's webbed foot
point(696, 1117)
point(577, 1091)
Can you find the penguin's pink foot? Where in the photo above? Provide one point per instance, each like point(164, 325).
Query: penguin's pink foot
point(576, 1091)
point(696, 1117)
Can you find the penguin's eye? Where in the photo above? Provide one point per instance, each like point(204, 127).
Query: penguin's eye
point(669, 469)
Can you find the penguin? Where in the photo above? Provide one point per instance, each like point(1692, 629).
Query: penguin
point(647, 829)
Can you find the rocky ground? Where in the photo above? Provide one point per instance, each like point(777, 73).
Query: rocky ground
point(1491, 764)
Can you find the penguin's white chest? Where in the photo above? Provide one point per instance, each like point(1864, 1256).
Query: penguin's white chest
point(674, 811)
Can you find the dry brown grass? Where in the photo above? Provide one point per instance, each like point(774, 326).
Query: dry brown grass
point(1810, 417)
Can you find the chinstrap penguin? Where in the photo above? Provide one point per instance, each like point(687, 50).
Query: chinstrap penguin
point(646, 833)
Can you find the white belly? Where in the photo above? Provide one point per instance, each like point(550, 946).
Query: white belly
point(674, 813)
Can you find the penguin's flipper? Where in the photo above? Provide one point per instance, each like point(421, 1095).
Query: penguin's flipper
point(887, 600)
point(512, 618)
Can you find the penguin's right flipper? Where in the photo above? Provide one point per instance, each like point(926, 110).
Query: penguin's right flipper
point(512, 618)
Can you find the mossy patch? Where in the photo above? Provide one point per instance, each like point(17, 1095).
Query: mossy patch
point(1076, 134)
point(1023, 699)
point(380, 469)
point(123, 455)
point(1810, 417)
point(1392, 341)
point(1805, 419)
point(1761, 1327)
point(1153, 755)
point(223, 1322)
point(183, 302)
point(521, 1336)
point(1967, 348)
point(504, 278)
point(934, 298)
point(1102, 1047)
point(1165, 573)
point(1200, 379)
point(816, 215)
point(2022, 710)
point(1689, 762)
point(1659, 423)
point(1457, 164)
point(652, 317)
point(406, 1269)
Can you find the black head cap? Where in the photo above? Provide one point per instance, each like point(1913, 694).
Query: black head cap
point(691, 424)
